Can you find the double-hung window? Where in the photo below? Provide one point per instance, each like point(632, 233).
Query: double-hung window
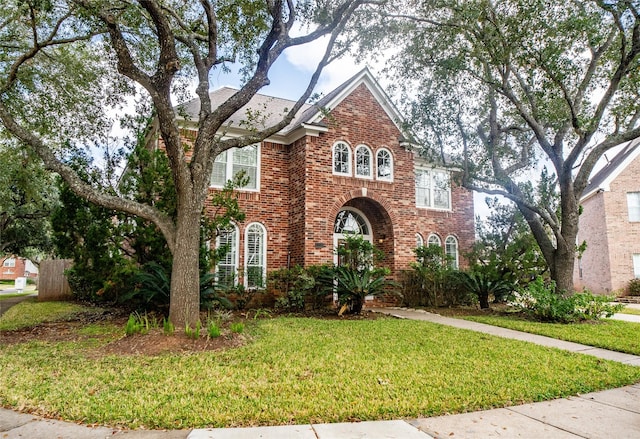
point(234, 160)
point(227, 267)
point(633, 204)
point(433, 189)
point(451, 250)
point(255, 256)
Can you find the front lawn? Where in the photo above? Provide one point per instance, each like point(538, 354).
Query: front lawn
point(609, 334)
point(297, 370)
point(31, 312)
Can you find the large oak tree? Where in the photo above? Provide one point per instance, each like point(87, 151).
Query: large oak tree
point(519, 88)
point(57, 63)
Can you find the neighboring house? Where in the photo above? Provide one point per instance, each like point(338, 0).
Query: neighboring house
point(12, 267)
point(342, 166)
point(610, 225)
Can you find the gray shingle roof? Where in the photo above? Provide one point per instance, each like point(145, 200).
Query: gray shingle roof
point(600, 177)
point(267, 110)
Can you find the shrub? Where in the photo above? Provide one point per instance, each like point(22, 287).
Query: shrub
point(432, 281)
point(633, 287)
point(540, 301)
point(300, 287)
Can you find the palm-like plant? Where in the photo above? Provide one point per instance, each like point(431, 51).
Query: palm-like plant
point(484, 285)
point(352, 286)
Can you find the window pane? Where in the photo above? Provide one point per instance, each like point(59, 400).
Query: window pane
point(441, 190)
point(363, 162)
point(636, 266)
point(348, 221)
point(246, 159)
point(249, 171)
point(423, 190)
point(451, 250)
point(227, 268)
point(384, 165)
point(633, 203)
point(255, 256)
point(219, 173)
point(434, 240)
point(341, 159)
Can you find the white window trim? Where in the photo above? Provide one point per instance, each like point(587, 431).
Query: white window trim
point(390, 177)
point(9, 263)
point(236, 259)
point(371, 164)
point(349, 159)
point(456, 261)
point(431, 189)
point(434, 235)
point(229, 169)
point(419, 240)
point(263, 250)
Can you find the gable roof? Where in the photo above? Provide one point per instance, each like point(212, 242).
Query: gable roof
point(603, 178)
point(269, 110)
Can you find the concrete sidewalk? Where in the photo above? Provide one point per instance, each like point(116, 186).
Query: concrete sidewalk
point(608, 414)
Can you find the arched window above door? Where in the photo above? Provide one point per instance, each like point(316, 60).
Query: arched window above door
point(349, 221)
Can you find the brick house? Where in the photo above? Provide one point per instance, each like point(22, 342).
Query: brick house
point(610, 225)
point(343, 165)
point(12, 267)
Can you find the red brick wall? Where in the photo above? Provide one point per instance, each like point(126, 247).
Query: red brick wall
point(11, 273)
point(299, 196)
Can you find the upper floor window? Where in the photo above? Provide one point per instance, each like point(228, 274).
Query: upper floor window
point(384, 165)
point(419, 240)
point(633, 204)
point(341, 159)
point(434, 240)
point(433, 189)
point(234, 160)
point(364, 167)
point(9, 262)
point(451, 250)
point(255, 256)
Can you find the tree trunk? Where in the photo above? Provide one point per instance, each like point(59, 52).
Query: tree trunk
point(561, 270)
point(184, 308)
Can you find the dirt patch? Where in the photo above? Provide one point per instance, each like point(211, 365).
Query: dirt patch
point(155, 342)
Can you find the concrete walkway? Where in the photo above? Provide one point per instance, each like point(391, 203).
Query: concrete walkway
point(608, 414)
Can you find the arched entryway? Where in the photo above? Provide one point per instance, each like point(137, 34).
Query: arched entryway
point(369, 219)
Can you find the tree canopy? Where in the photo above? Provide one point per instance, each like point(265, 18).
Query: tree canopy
point(515, 88)
point(62, 62)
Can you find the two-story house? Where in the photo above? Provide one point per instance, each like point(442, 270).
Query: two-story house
point(343, 165)
point(610, 225)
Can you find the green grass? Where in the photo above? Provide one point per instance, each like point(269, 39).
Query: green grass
point(296, 370)
point(633, 311)
point(10, 295)
point(30, 312)
point(614, 335)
